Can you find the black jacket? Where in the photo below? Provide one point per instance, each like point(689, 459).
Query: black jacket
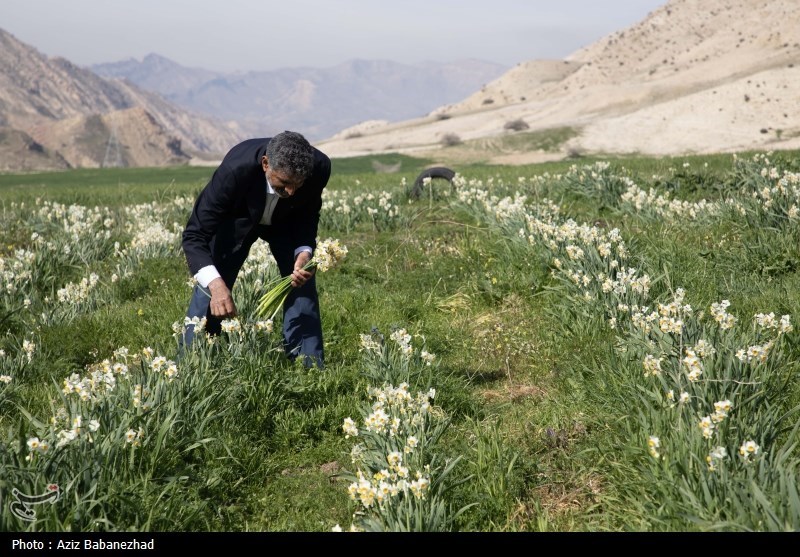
point(229, 208)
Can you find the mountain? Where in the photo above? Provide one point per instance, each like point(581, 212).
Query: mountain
point(54, 114)
point(694, 76)
point(317, 101)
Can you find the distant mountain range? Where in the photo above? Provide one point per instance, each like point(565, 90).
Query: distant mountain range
point(319, 102)
point(54, 114)
point(694, 76)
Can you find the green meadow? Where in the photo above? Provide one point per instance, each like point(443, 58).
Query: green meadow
point(596, 344)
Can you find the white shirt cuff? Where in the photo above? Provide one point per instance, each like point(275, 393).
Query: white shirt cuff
point(303, 248)
point(206, 275)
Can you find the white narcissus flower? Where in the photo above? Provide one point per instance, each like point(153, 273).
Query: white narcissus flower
point(350, 428)
point(653, 444)
point(748, 449)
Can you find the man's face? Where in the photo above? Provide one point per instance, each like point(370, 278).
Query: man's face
point(284, 183)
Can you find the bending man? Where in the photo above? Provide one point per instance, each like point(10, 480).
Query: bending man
point(269, 188)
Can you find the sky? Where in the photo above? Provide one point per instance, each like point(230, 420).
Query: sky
point(257, 35)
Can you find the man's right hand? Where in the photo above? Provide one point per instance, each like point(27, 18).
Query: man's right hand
point(222, 305)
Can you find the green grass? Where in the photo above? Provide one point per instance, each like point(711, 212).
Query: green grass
point(546, 140)
point(107, 186)
point(368, 164)
point(541, 414)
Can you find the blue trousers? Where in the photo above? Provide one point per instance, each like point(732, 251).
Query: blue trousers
point(302, 324)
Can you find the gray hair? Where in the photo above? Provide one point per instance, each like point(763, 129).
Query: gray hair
point(290, 152)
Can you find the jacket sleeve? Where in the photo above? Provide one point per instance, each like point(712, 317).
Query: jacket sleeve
point(305, 226)
point(213, 205)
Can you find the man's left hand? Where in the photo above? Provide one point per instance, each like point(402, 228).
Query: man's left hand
point(299, 276)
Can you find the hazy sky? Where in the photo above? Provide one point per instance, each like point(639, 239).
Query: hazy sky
point(231, 35)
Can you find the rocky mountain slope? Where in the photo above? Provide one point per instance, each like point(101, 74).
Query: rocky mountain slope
point(55, 114)
point(695, 76)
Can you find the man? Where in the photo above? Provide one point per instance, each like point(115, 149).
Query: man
point(268, 188)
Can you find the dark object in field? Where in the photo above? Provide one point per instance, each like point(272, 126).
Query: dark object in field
point(435, 172)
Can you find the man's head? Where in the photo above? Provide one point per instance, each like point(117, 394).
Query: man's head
point(288, 162)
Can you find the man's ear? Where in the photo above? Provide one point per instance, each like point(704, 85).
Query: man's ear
point(265, 163)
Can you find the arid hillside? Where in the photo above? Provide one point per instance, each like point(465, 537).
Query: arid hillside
point(695, 76)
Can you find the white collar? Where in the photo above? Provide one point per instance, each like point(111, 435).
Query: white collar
point(269, 187)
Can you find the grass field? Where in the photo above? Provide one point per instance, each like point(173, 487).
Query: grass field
point(587, 345)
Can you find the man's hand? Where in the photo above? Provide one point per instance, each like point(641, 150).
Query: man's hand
point(222, 305)
point(299, 276)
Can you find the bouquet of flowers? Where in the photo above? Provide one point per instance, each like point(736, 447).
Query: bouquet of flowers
point(329, 254)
